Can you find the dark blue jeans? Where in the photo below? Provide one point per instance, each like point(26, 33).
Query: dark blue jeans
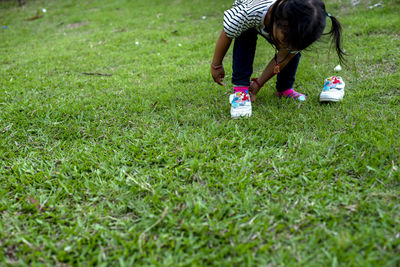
point(244, 50)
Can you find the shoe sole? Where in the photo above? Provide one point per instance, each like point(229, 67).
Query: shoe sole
point(329, 99)
point(241, 112)
point(326, 97)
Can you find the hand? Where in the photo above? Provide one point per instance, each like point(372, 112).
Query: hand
point(254, 88)
point(218, 73)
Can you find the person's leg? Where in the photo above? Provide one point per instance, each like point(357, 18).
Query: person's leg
point(286, 78)
point(244, 49)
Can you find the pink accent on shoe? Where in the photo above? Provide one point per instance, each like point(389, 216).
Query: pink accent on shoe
point(290, 93)
point(241, 89)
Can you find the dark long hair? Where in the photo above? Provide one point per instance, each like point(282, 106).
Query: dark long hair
point(303, 22)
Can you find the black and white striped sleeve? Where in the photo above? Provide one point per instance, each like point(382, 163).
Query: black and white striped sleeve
point(236, 21)
point(244, 15)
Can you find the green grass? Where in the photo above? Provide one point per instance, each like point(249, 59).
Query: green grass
point(146, 167)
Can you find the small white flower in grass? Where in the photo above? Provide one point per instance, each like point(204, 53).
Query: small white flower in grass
point(137, 43)
point(203, 17)
point(44, 10)
point(179, 44)
point(394, 167)
point(338, 68)
point(375, 6)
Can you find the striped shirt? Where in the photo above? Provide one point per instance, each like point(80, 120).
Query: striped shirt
point(244, 15)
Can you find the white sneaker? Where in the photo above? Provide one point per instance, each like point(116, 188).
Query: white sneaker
point(240, 105)
point(333, 90)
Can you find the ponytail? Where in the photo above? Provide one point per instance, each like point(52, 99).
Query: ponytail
point(336, 34)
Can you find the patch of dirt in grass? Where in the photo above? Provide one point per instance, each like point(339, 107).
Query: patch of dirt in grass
point(384, 34)
point(376, 69)
point(11, 254)
point(76, 25)
point(344, 7)
point(390, 96)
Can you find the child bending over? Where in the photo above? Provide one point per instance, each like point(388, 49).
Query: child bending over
point(289, 25)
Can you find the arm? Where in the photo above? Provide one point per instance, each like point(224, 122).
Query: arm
point(283, 58)
point(222, 46)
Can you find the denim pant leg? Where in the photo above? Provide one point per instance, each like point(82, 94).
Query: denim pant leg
point(244, 50)
point(287, 76)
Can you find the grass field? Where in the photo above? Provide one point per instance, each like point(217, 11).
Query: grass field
point(140, 162)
